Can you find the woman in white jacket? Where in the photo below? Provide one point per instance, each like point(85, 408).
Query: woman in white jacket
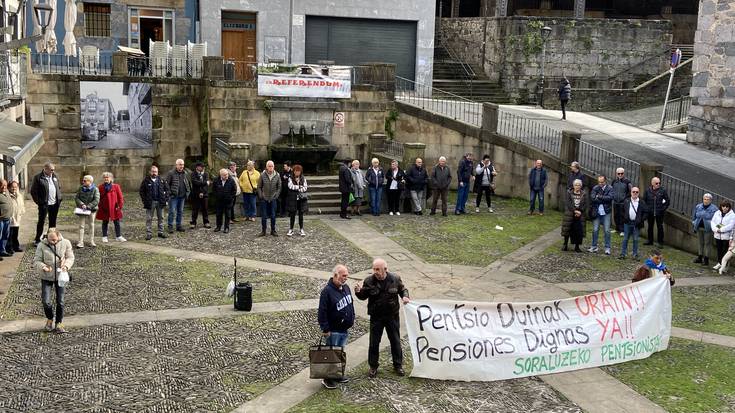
point(722, 225)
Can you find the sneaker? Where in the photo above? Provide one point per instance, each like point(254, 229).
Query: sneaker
point(207, 226)
point(607, 251)
point(717, 267)
point(170, 230)
point(398, 213)
point(59, 329)
point(477, 210)
point(162, 235)
point(592, 249)
point(289, 233)
point(120, 239)
point(329, 384)
point(372, 373)
point(192, 226)
point(49, 325)
point(390, 213)
point(105, 239)
point(722, 269)
point(80, 244)
point(302, 233)
point(490, 210)
point(274, 233)
point(262, 234)
point(148, 237)
point(92, 244)
point(541, 214)
point(622, 233)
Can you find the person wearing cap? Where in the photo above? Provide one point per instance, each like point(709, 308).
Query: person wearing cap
point(199, 195)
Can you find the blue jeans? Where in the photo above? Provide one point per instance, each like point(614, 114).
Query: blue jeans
point(48, 310)
point(249, 201)
point(176, 207)
point(337, 339)
point(463, 192)
point(4, 234)
point(540, 195)
point(596, 229)
point(630, 230)
point(269, 210)
point(376, 196)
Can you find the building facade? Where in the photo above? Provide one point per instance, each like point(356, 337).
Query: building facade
point(346, 33)
point(140, 119)
point(98, 116)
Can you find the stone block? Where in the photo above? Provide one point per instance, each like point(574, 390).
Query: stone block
point(69, 121)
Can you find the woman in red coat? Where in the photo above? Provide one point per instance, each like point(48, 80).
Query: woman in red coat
point(110, 206)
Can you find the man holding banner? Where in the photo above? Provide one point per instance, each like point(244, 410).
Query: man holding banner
point(382, 290)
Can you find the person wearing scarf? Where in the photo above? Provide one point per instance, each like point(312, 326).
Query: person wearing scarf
point(653, 267)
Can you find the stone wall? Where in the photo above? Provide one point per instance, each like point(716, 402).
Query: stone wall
point(712, 115)
point(592, 53)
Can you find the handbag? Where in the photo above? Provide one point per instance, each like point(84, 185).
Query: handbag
point(326, 362)
point(352, 198)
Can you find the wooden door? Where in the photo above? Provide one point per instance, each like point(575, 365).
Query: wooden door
point(240, 47)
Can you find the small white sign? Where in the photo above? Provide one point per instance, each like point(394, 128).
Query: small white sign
point(339, 119)
point(298, 19)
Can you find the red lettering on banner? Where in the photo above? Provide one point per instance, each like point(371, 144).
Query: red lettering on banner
point(612, 326)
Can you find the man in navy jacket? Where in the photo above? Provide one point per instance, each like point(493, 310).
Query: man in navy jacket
point(601, 199)
point(537, 180)
point(336, 313)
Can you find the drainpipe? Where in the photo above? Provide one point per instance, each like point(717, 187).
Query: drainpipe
point(290, 31)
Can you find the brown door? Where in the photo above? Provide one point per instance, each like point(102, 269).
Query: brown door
point(240, 47)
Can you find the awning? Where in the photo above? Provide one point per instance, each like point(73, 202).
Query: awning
point(18, 143)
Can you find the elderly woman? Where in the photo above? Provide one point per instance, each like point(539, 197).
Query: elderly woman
point(573, 222)
point(723, 223)
point(87, 199)
point(19, 208)
point(110, 206)
point(358, 187)
point(249, 185)
point(701, 224)
point(53, 254)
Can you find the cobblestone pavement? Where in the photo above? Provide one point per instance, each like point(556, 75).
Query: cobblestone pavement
point(178, 366)
point(109, 280)
point(414, 395)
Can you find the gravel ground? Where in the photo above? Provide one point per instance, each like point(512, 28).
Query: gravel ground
point(109, 280)
point(177, 366)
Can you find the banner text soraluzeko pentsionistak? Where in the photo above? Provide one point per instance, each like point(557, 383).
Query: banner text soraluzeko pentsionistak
point(471, 341)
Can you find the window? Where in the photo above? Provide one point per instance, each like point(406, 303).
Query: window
point(97, 20)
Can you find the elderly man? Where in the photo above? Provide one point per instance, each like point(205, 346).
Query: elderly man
point(375, 178)
point(179, 183)
point(200, 196)
point(621, 191)
point(46, 193)
point(224, 191)
point(232, 170)
point(635, 216)
point(269, 189)
point(537, 180)
point(657, 201)
point(416, 179)
point(601, 200)
point(336, 313)
point(345, 189)
point(382, 290)
point(154, 194)
point(441, 178)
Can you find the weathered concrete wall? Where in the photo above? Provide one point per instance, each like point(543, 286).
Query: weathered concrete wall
point(273, 25)
point(712, 115)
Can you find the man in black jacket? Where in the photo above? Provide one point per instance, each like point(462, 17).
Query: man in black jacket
point(285, 177)
point(635, 213)
point(336, 313)
point(46, 193)
point(621, 191)
point(224, 190)
point(657, 201)
point(382, 290)
point(199, 195)
point(345, 188)
point(154, 194)
point(416, 179)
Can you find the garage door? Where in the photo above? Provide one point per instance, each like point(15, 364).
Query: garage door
point(354, 41)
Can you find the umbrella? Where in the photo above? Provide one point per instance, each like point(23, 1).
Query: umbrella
point(50, 33)
point(70, 20)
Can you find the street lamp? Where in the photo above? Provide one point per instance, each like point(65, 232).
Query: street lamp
point(43, 14)
point(545, 33)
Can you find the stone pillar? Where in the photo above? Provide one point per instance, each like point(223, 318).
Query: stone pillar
point(490, 117)
point(579, 9)
point(240, 153)
point(648, 171)
point(214, 67)
point(411, 151)
point(501, 8)
point(119, 64)
point(375, 143)
point(569, 147)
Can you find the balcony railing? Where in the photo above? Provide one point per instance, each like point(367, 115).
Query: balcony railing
point(676, 112)
point(13, 75)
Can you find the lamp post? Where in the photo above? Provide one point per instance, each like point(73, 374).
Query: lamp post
point(43, 13)
point(545, 33)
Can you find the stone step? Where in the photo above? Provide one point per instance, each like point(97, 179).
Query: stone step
point(323, 195)
point(321, 188)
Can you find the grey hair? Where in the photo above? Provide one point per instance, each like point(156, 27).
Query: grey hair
point(577, 181)
point(707, 195)
point(53, 230)
point(442, 158)
point(225, 170)
point(106, 174)
point(576, 164)
point(89, 178)
point(179, 160)
point(620, 170)
point(337, 267)
point(48, 164)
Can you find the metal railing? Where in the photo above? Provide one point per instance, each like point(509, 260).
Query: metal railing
point(391, 148)
point(69, 65)
point(438, 101)
point(529, 131)
point(676, 111)
point(683, 196)
point(241, 70)
point(598, 161)
point(13, 74)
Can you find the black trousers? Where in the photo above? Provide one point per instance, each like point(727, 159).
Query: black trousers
point(659, 220)
point(392, 327)
point(52, 211)
point(564, 108)
point(488, 192)
point(394, 200)
point(619, 216)
point(722, 245)
point(282, 203)
point(223, 209)
point(13, 243)
point(232, 210)
point(344, 203)
point(199, 205)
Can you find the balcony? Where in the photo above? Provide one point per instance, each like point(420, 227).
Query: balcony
point(13, 75)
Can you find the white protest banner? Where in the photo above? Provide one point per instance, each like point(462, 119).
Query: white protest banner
point(469, 341)
point(336, 85)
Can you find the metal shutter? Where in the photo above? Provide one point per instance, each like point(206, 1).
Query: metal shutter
point(355, 41)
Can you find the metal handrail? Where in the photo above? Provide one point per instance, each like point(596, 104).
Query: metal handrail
point(684, 195)
point(661, 76)
point(644, 61)
point(452, 106)
point(455, 57)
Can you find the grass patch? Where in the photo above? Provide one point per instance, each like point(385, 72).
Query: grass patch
point(470, 239)
point(705, 308)
point(689, 377)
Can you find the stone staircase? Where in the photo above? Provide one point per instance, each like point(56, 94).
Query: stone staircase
point(450, 76)
point(324, 196)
